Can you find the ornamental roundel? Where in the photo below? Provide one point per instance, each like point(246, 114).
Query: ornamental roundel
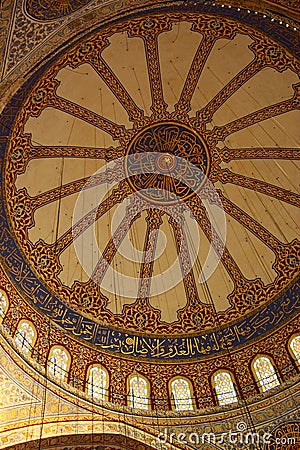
point(48, 10)
point(168, 150)
point(149, 184)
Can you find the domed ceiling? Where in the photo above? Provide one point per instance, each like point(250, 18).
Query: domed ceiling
point(150, 183)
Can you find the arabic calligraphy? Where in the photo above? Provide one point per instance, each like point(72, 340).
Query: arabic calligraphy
point(160, 170)
point(129, 344)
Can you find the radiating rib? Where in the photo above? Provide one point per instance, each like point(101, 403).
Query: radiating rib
point(258, 116)
point(231, 154)
point(118, 195)
point(110, 175)
point(154, 220)
point(24, 151)
point(183, 105)
point(115, 130)
point(250, 223)
point(114, 243)
point(101, 67)
point(59, 192)
point(159, 106)
point(234, 85)
point(226, 176)
point(221, 250)
point(185, 262)
point(107, 154)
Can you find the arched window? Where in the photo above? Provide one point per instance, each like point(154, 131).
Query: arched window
point(181, 395)
point(224, 387)
point(3, 304)
point(294, 346)
point(138, 392)
point(59, 363)
point(265, 373)
point(25, 336)
point(97, 382)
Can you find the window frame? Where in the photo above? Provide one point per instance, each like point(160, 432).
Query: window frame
point(171, 395)
point(213, 383)
point(106, 387)
point(29, 345)
point(67, 370)
point(2, 315)
point(291, 351)
point(258, 381)
point(138, 375)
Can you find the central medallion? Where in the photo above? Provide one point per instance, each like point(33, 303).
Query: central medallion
point(167, 162)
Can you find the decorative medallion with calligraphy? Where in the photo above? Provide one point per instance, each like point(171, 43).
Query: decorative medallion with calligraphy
point(176, 154)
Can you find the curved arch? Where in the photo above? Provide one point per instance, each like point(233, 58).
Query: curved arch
point(224, 387)
point(265, 373)
point(25, 336)
point(59, 361)
point(139, 391)
point(181, 394)
point(97, 382)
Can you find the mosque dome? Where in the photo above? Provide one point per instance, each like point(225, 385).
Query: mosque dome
point(149, 223)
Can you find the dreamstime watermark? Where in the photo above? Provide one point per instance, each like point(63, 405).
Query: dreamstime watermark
point(239, 436)
point(90, 207)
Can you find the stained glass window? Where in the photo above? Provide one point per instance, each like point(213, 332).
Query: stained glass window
point(3, 304)
point(224, 387)
point(58, 363)
point(181, 393)
point(295, 347)
point(265, 373)
point(97, 383)
point(25, 336)
point(138, 392)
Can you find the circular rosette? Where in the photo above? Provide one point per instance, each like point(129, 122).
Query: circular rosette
point(149, 175)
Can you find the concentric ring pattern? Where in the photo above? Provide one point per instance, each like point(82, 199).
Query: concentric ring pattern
point(215, 94)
